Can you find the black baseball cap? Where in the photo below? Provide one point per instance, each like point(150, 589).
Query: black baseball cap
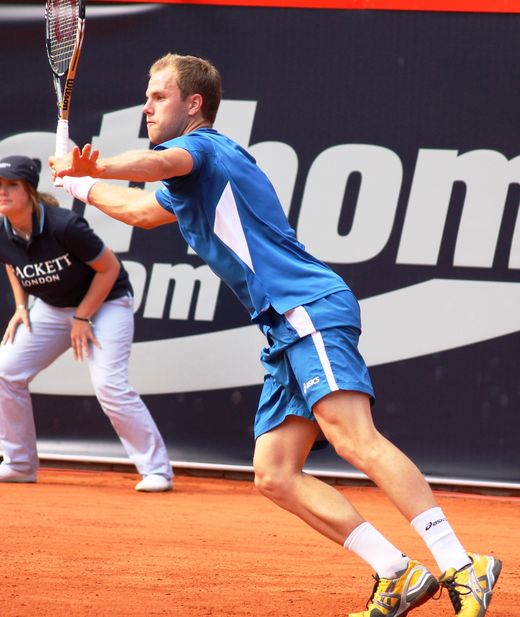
point(21, 168)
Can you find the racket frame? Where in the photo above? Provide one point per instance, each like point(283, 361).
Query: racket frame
point(64, 92)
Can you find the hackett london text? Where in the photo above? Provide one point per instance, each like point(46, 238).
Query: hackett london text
point(43, 272)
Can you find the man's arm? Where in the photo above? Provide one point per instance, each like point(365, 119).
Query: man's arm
point(135, 165)
point(133, 206)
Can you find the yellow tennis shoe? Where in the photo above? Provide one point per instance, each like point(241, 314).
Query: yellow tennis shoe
point(471, 587)
point(392, 597)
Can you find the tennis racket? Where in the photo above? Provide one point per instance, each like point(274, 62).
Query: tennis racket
point(65, 26)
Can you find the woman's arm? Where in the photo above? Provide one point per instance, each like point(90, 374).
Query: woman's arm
point(19, 294)
point(21, 314)
point(107, 269)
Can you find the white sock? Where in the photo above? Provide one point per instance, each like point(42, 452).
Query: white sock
point(369, 544)
point(434, 529)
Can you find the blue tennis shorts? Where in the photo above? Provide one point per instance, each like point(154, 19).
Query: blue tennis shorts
point(301, 373)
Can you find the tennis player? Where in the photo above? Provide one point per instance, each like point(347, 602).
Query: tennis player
point(84, 300)
point(317, 384)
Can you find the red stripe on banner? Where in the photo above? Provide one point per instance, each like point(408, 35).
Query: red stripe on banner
point(474, 6)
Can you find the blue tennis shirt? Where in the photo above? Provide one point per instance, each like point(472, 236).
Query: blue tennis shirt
point(229, 214)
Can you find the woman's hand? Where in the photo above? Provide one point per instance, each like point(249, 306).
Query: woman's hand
point(81, 336)
point(20, 316)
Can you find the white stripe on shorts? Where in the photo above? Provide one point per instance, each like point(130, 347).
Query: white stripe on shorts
point(300, 320)
point(324, 359)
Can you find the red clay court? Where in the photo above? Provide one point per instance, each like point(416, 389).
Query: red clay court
point(86, 544)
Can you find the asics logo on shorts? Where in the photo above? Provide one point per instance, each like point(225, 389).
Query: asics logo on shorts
point(310, 383)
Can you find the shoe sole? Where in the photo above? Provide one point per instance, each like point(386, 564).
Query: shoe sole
point(145, 489)
point(17, 480)
point(495, 571)
point(423, 595)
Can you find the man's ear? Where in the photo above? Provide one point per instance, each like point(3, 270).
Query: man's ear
point(196, 102)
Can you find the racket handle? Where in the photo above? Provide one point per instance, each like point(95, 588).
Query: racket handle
point(62, 143)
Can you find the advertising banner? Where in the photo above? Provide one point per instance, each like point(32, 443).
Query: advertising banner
point(391, 138)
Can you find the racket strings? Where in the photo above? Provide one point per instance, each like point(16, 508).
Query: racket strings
point(62, 23)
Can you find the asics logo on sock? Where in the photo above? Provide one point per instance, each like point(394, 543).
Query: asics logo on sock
point(433, 523)
point(310, 383)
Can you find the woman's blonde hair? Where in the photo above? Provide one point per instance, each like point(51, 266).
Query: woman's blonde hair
point(36, 197)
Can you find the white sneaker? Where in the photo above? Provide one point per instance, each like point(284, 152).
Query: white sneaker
point(154, 483)
point(8, 474)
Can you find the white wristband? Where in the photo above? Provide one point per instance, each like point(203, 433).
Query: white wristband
point(79, 187)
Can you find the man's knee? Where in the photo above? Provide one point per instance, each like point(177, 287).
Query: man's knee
point(273, 483)
point(265, 480)
point(361, 454)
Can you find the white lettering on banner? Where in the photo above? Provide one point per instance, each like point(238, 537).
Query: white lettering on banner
point(487, 175)
point(185, 277)
point(429, 317)
point(426, 318)
point(381, 175)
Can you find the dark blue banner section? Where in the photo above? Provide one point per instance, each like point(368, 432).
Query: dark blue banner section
point(391, 138)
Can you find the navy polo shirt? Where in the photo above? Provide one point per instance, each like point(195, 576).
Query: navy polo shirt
point(53, 263)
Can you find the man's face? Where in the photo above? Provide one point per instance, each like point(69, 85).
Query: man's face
point(166, 113)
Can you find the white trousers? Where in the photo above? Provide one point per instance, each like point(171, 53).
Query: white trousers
point(31, 352)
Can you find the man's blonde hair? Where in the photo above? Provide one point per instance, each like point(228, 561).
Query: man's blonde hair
point(194, 76)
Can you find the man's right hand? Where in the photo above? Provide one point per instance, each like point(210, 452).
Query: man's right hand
point(76, 163)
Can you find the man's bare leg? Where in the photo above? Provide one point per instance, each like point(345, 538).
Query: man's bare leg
point(345, 418)
point(279, 458)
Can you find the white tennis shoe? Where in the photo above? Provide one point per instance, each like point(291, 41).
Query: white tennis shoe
point(8, 474)
point(154, 483)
